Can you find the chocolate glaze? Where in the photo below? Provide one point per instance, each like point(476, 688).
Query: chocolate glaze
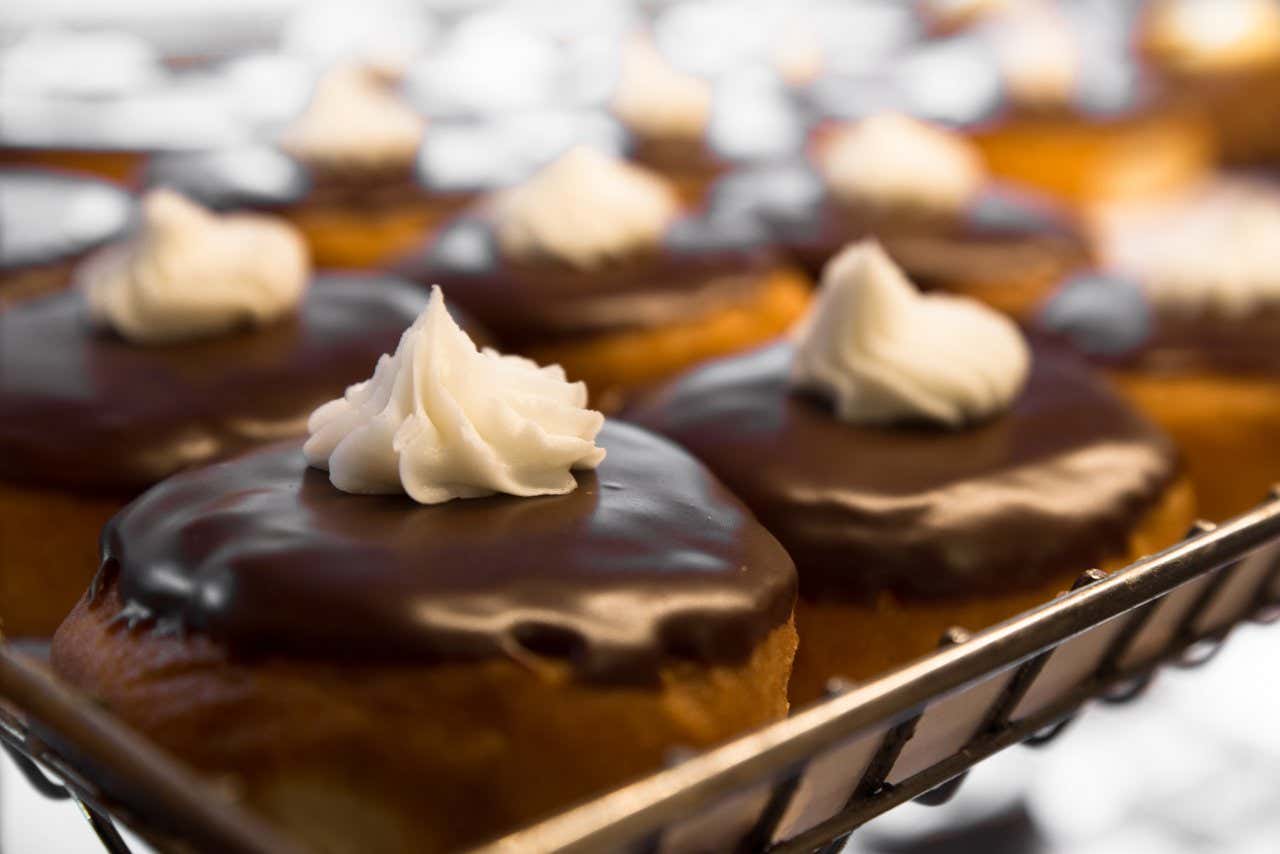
point(677, 156)
point(1110, 320)
point(701, 265)
point(1057, 483)
point(46, 217)
point(1003, 235)
point(265, 178)
point(649, 559)
point(81, 407)
point(1212, 340)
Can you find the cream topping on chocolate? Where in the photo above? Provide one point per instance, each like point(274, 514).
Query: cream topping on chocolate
point(1058, 482)
point(655, 99)
point(441, 420)
point(649, 560)
point(585, 210)
point(83, 409)
point(892, 161)
point(1214, 249)
point(355, 121)
point(190, 273)
point(882, 352)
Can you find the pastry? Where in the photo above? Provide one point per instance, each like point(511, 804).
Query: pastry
point(199, 338)
point(345, 173)
point(689, 131)
point(924, 465)
point(497, 605)
point(1225, 56)
point(1186, 324)
point(359, 143)
point(667, 112)
point(591, 264)
point(924, 192)
point(49, 222)
point(1089, 125)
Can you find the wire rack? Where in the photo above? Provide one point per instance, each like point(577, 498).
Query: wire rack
point(800, 785)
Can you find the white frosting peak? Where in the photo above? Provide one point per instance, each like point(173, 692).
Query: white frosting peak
point(893, 161)
point(883, 352)
point(656, 100)
point(190, 273)
point(441, 420)
point(1216, 248)
point(585, 209)
point(355, 120)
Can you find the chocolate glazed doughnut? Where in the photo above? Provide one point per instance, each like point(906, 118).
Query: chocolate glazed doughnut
point(1007, 247)
point(355, 220)
point(899, 532)
point(380, 675)
point(708, 289)
point(1206, 374)
point(88, 420)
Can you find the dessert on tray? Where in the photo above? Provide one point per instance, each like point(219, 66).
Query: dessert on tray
point(595, 265)
point(464, 603)
point(924, 465)
point(201, 336)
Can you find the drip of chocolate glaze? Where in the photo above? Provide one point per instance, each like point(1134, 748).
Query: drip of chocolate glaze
point(82, 408)
point(650, 559)
point(1057, 483)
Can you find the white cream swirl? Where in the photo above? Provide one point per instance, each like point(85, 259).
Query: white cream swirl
point(658, 101)
point(883, 352)
point(190, 273)
point(441, 420)
point(893, 161)
point(1216, 248)
point(355, 121)
point(585, 209)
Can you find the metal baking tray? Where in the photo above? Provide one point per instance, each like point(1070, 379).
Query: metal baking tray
point(800, 785)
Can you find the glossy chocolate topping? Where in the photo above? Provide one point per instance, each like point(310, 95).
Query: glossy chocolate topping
point(265, 178)
point(83, 408)
point(701, 265)
point(1214, 341)
point(1004, 235)
point(677, 156)
point(1057, 483)
point(46, 217)
point(649, 559)
point(1111, 320)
